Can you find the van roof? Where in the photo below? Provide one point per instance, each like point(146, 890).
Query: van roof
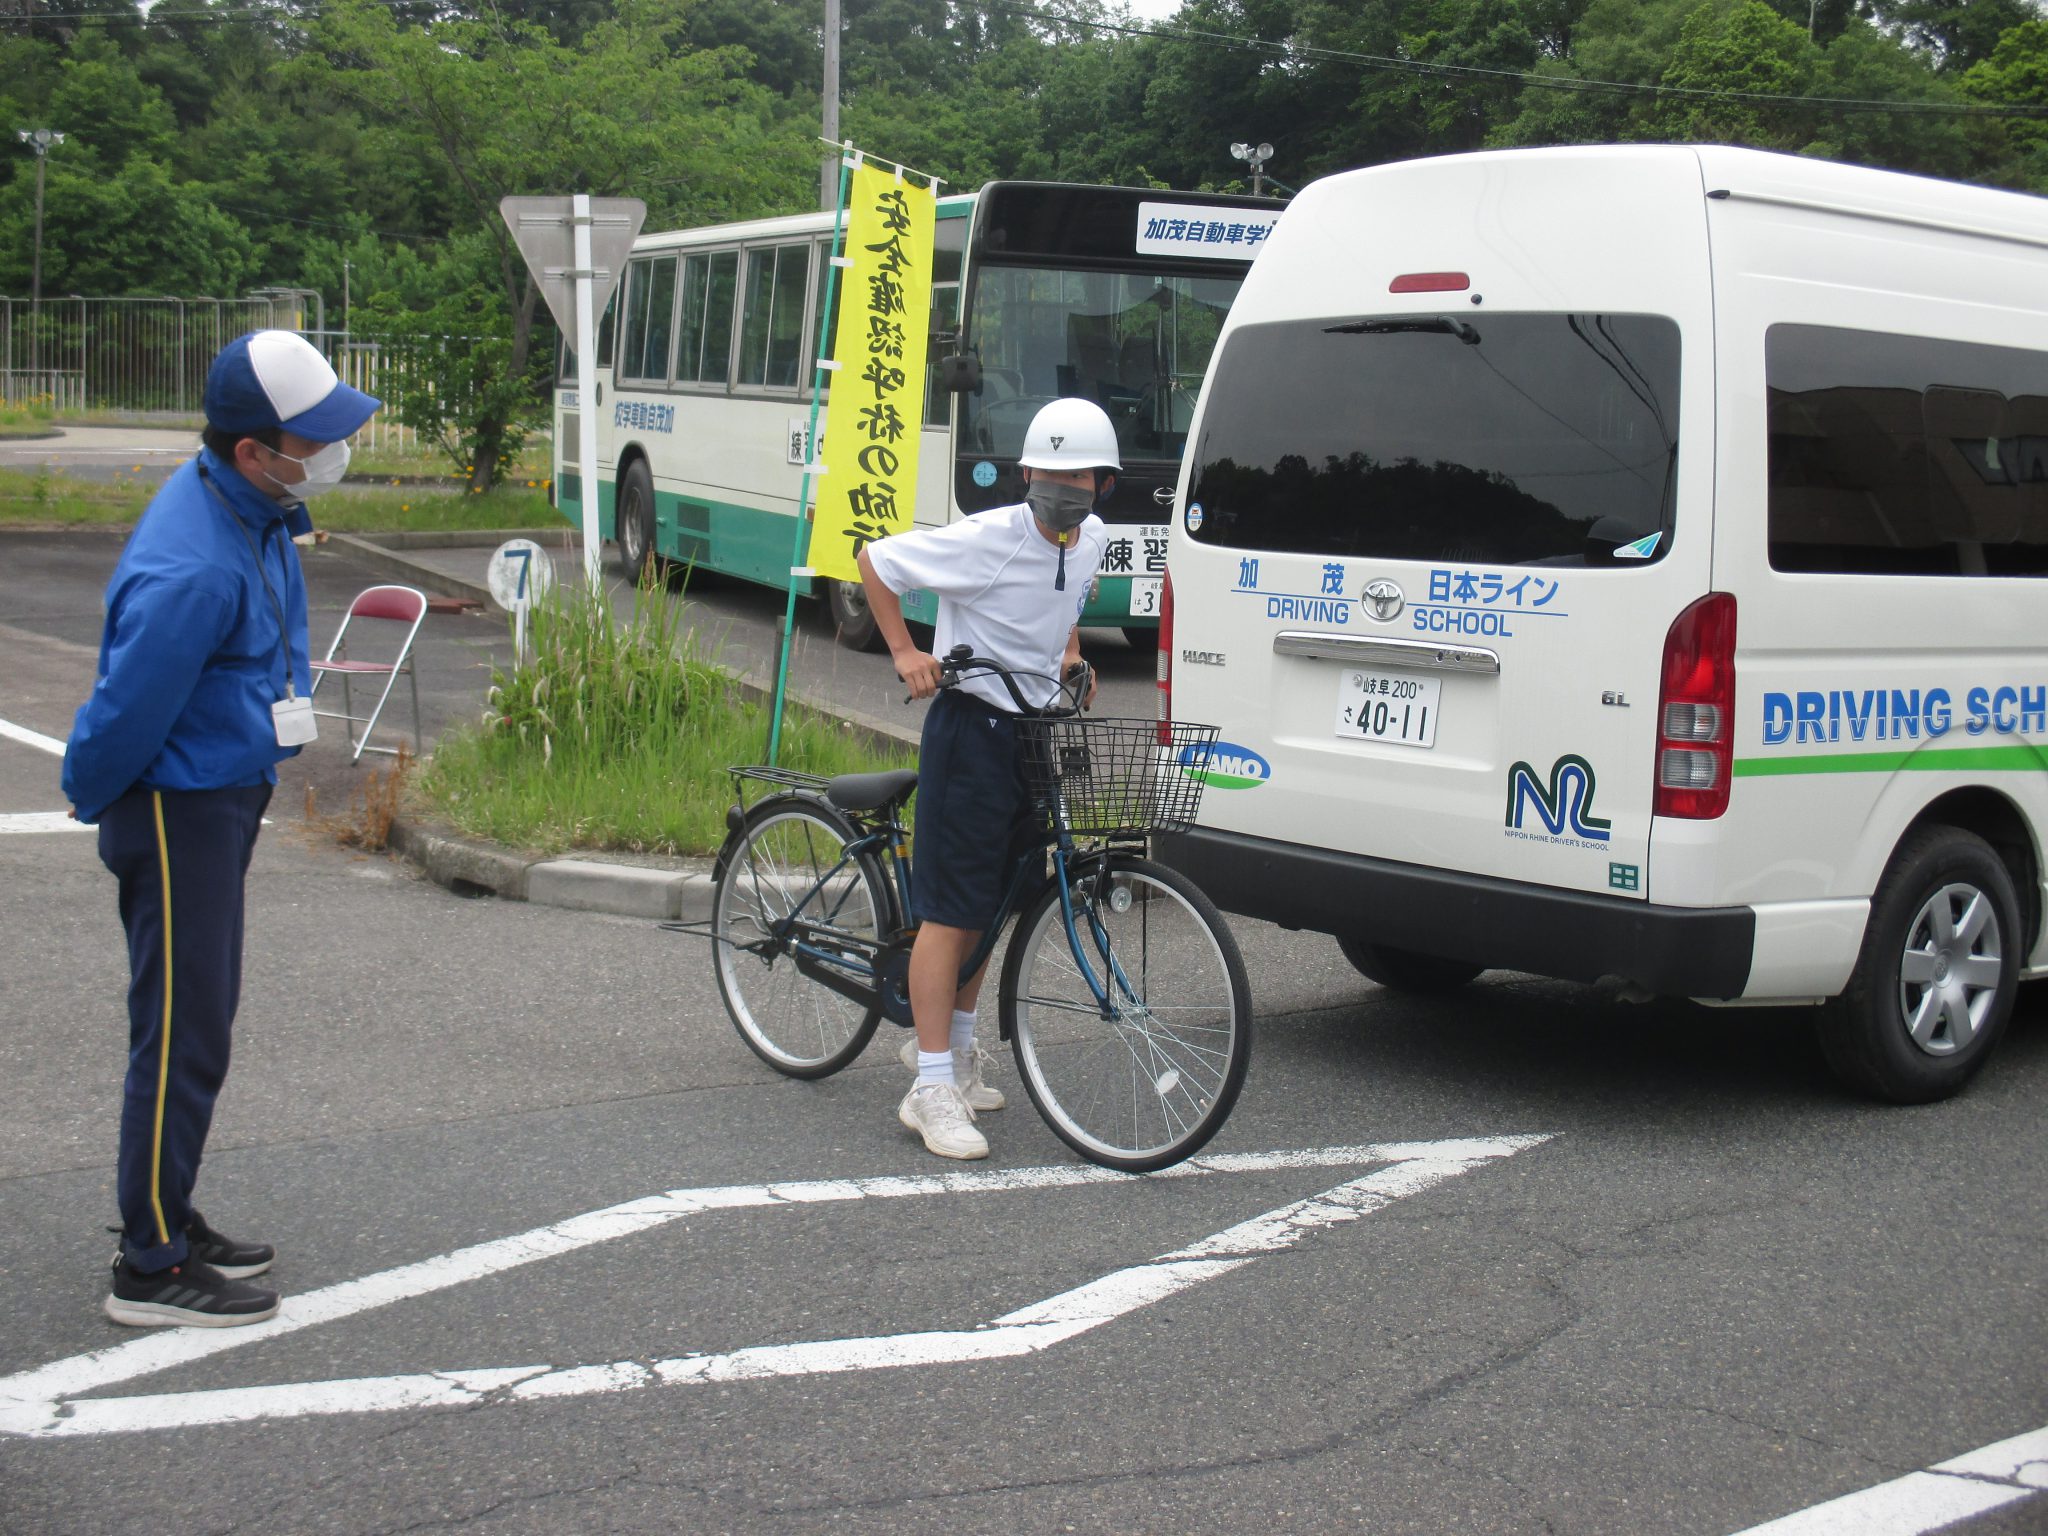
point(1793, 180)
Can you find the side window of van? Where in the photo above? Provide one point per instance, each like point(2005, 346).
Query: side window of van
point(1508, 439)
point(1900, 455)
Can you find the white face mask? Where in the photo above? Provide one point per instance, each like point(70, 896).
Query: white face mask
point(323, 472)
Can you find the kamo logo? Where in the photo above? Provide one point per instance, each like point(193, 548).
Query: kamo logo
point(1564, 805)
point(1225, 765)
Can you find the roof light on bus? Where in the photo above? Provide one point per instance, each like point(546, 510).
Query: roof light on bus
point(1430, 282)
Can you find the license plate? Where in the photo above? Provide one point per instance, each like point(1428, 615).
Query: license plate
point(1393, 707)
point(1144, 597)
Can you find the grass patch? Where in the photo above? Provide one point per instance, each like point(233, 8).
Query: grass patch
point(617, 736)
point(51, 496)
point(27, 418)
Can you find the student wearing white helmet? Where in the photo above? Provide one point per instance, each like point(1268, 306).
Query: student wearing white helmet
point(1011, 584)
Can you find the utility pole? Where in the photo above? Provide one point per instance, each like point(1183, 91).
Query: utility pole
point(40, 140)
point(828, 177)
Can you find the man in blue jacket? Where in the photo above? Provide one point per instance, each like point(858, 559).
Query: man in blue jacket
point(201, 692)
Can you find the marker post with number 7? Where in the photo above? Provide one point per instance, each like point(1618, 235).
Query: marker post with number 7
point(519, 572)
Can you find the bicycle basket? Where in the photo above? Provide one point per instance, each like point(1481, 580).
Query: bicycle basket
point(1115, 777)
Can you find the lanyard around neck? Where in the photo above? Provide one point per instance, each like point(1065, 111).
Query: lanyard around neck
point(263, 574)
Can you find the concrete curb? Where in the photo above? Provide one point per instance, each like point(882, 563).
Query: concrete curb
point(469, 867)
point(389, 562)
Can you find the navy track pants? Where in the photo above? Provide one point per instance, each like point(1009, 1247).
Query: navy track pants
point(181, 857)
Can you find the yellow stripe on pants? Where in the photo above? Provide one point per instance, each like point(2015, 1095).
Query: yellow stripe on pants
point(163, 1071)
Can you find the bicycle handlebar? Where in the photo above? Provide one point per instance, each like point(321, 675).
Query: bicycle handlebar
point(961, 662)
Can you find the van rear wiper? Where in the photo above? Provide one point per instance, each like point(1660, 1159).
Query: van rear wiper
point(1444, 324)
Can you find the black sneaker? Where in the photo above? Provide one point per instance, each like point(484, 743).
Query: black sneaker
point(235, 1261)
point(196, 1295)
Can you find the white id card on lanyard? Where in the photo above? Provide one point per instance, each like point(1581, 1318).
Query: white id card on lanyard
point(294, 720)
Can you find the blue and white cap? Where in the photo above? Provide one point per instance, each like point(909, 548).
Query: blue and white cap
point(278, 379)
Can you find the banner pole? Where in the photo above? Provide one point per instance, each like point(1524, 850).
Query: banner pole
point(803, 506)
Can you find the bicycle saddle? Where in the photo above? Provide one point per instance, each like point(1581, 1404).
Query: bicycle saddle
point(871, 791)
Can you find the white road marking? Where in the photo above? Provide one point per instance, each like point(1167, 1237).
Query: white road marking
point(27, 737)
point(47, 1401)
point(1952, 1491)
point(42, 821)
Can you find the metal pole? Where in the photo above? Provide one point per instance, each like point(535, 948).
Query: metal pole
point(803, 505)
point(828, 176)
point(586, 390)
point(35, 282)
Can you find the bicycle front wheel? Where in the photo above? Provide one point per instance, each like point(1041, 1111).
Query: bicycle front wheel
point(785, 885)
point(1143, 1078)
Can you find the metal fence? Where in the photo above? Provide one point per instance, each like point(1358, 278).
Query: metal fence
point(150, 356)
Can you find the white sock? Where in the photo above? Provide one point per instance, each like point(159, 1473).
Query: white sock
point(963, 1032)
point(934, 1067)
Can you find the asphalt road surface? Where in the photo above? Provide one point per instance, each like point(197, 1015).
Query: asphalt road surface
point(560, 1255)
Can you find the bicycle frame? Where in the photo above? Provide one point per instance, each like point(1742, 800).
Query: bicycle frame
point(883, 838)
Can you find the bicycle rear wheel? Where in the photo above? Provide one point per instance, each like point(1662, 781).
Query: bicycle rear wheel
point(1148, 1086)
point(784, 879)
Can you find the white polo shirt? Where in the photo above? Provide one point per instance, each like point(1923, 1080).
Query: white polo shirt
point(993, 575)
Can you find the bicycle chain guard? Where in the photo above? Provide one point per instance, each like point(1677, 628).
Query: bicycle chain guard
point(892, 980)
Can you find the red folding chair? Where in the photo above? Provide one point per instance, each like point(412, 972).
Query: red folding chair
point(406, 606)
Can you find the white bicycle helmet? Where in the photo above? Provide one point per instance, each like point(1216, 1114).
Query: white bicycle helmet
point(1071, 434)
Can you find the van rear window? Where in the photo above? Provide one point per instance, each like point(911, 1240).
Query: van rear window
point(1503, 439)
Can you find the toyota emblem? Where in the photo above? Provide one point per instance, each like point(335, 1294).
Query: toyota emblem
point(1383, 600)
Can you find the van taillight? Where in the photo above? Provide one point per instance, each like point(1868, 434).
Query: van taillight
point(1696, 711)
point(1166, 660)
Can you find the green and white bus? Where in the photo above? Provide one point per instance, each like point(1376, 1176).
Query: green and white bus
point(704, 372)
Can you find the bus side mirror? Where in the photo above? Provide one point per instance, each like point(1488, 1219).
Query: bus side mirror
point(960, 373)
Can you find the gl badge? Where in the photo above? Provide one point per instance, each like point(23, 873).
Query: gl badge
point(1382, 600)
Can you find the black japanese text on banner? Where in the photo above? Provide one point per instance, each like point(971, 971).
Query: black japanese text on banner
point(877, 402)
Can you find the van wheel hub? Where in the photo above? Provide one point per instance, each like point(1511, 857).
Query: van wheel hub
point(1949, 972)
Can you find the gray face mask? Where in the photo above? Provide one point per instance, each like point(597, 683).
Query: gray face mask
point(1062, 508)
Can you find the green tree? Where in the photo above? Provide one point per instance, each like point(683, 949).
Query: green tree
point(1745, 48)
point(136, 231)
point(2016, 75)
point(505, 108)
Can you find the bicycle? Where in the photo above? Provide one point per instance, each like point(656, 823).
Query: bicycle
point(1123, 995)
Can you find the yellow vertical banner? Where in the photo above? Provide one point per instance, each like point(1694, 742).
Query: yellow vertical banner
point(869, 483)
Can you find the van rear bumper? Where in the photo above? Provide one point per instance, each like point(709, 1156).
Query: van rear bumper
point(1500, 924)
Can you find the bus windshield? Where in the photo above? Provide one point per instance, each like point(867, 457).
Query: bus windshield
point(1137, 343)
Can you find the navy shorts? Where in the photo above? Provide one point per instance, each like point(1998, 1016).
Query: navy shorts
point(974, 821)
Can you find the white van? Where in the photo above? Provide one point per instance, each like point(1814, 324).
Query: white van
point(1633, 562)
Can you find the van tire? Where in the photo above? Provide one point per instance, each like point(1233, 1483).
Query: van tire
point(1404, 970)
point(1866, 1034)
point(1141, 637)
point(635, 525)
point(852, 619)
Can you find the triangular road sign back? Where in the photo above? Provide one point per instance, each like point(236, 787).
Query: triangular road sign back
point(544, 230)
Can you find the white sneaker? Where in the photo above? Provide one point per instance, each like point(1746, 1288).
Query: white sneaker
point(938, 1113)
point(967, 1072)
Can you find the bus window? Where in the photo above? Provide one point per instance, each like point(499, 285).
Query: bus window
point(709, 280)
point(565, 352)
point(772, 319)
point(1135, 343)
point(650, 319)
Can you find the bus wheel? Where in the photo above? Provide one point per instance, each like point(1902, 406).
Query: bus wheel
point(1935, 982)
point(851, 617)
point(637, 561)
point(1403, 970)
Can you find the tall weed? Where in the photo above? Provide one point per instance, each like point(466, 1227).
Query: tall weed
point(617, 735)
